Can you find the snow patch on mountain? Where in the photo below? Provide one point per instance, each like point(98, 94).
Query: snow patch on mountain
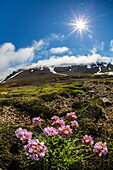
point(54, 72)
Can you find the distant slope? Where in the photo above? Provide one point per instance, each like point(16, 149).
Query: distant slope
point(34, 73)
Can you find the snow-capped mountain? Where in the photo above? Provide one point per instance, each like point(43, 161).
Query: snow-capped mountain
point(32, 72)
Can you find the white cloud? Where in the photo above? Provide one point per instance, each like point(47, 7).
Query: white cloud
point(102, 46)
point(111, 46)
point(10, 58)
point(99, 46)
point(106, 59)
point(67, 60)
point(93, 51)
point(112, 61)
point(41, 47)
point(44, 43)
point(59, 50)
point(38, 45)
point(90, 36)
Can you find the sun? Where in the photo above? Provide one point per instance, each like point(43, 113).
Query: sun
point(80, 25)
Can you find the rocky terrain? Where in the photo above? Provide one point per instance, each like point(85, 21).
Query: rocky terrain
point(91, 98)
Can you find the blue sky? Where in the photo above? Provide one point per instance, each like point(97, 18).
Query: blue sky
point(34, 30)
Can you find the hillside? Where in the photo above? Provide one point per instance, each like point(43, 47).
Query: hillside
point(89, 96)
point(43, 72)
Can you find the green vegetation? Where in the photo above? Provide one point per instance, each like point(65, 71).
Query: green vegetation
point(56, 99)
point(11, 150)
point(32, 99)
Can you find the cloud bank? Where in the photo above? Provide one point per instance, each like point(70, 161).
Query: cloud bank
point(10, 58)
point(68, 60)
point(44, 54)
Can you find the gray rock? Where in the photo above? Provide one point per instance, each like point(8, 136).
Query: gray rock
point(106, 101)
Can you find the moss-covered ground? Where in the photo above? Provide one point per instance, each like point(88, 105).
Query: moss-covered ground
point(95, 118)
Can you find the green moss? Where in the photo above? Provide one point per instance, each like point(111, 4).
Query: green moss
point(11, 150)
point(34, 107)
point(49, 97)
point(78, 105)
point(51, 89)
point(64, 93)
point(32, 99)
point(78, 91)
point(88, 125)
point(13, 85)
point(4, 101)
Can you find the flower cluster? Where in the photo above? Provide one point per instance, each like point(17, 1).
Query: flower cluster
point(23, 134)
point(88, 140)
point(74, 123)
point(54, 117)
point(37, 120)
point(35, 149)
point(64, 131)
point(58, 122)
point(100, 148)
point(50, 131)
point(71, 115)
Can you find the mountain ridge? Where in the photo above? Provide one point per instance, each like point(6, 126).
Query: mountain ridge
point(30, 72)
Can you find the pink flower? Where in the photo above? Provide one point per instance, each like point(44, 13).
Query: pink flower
point(100, 148)
point(37, 120)
point(54, 117)
point(88, 140)
point(71, 115)
point(64, 131)
point(50, 131)
point(74, 123)
point(23, 134)
point(35, 149)
point(58, 122)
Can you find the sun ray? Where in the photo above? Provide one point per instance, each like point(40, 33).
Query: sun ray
point(80, 25)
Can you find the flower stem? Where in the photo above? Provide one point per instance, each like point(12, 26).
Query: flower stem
point(52, 141)
point(41, 128)
point(89, 156)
